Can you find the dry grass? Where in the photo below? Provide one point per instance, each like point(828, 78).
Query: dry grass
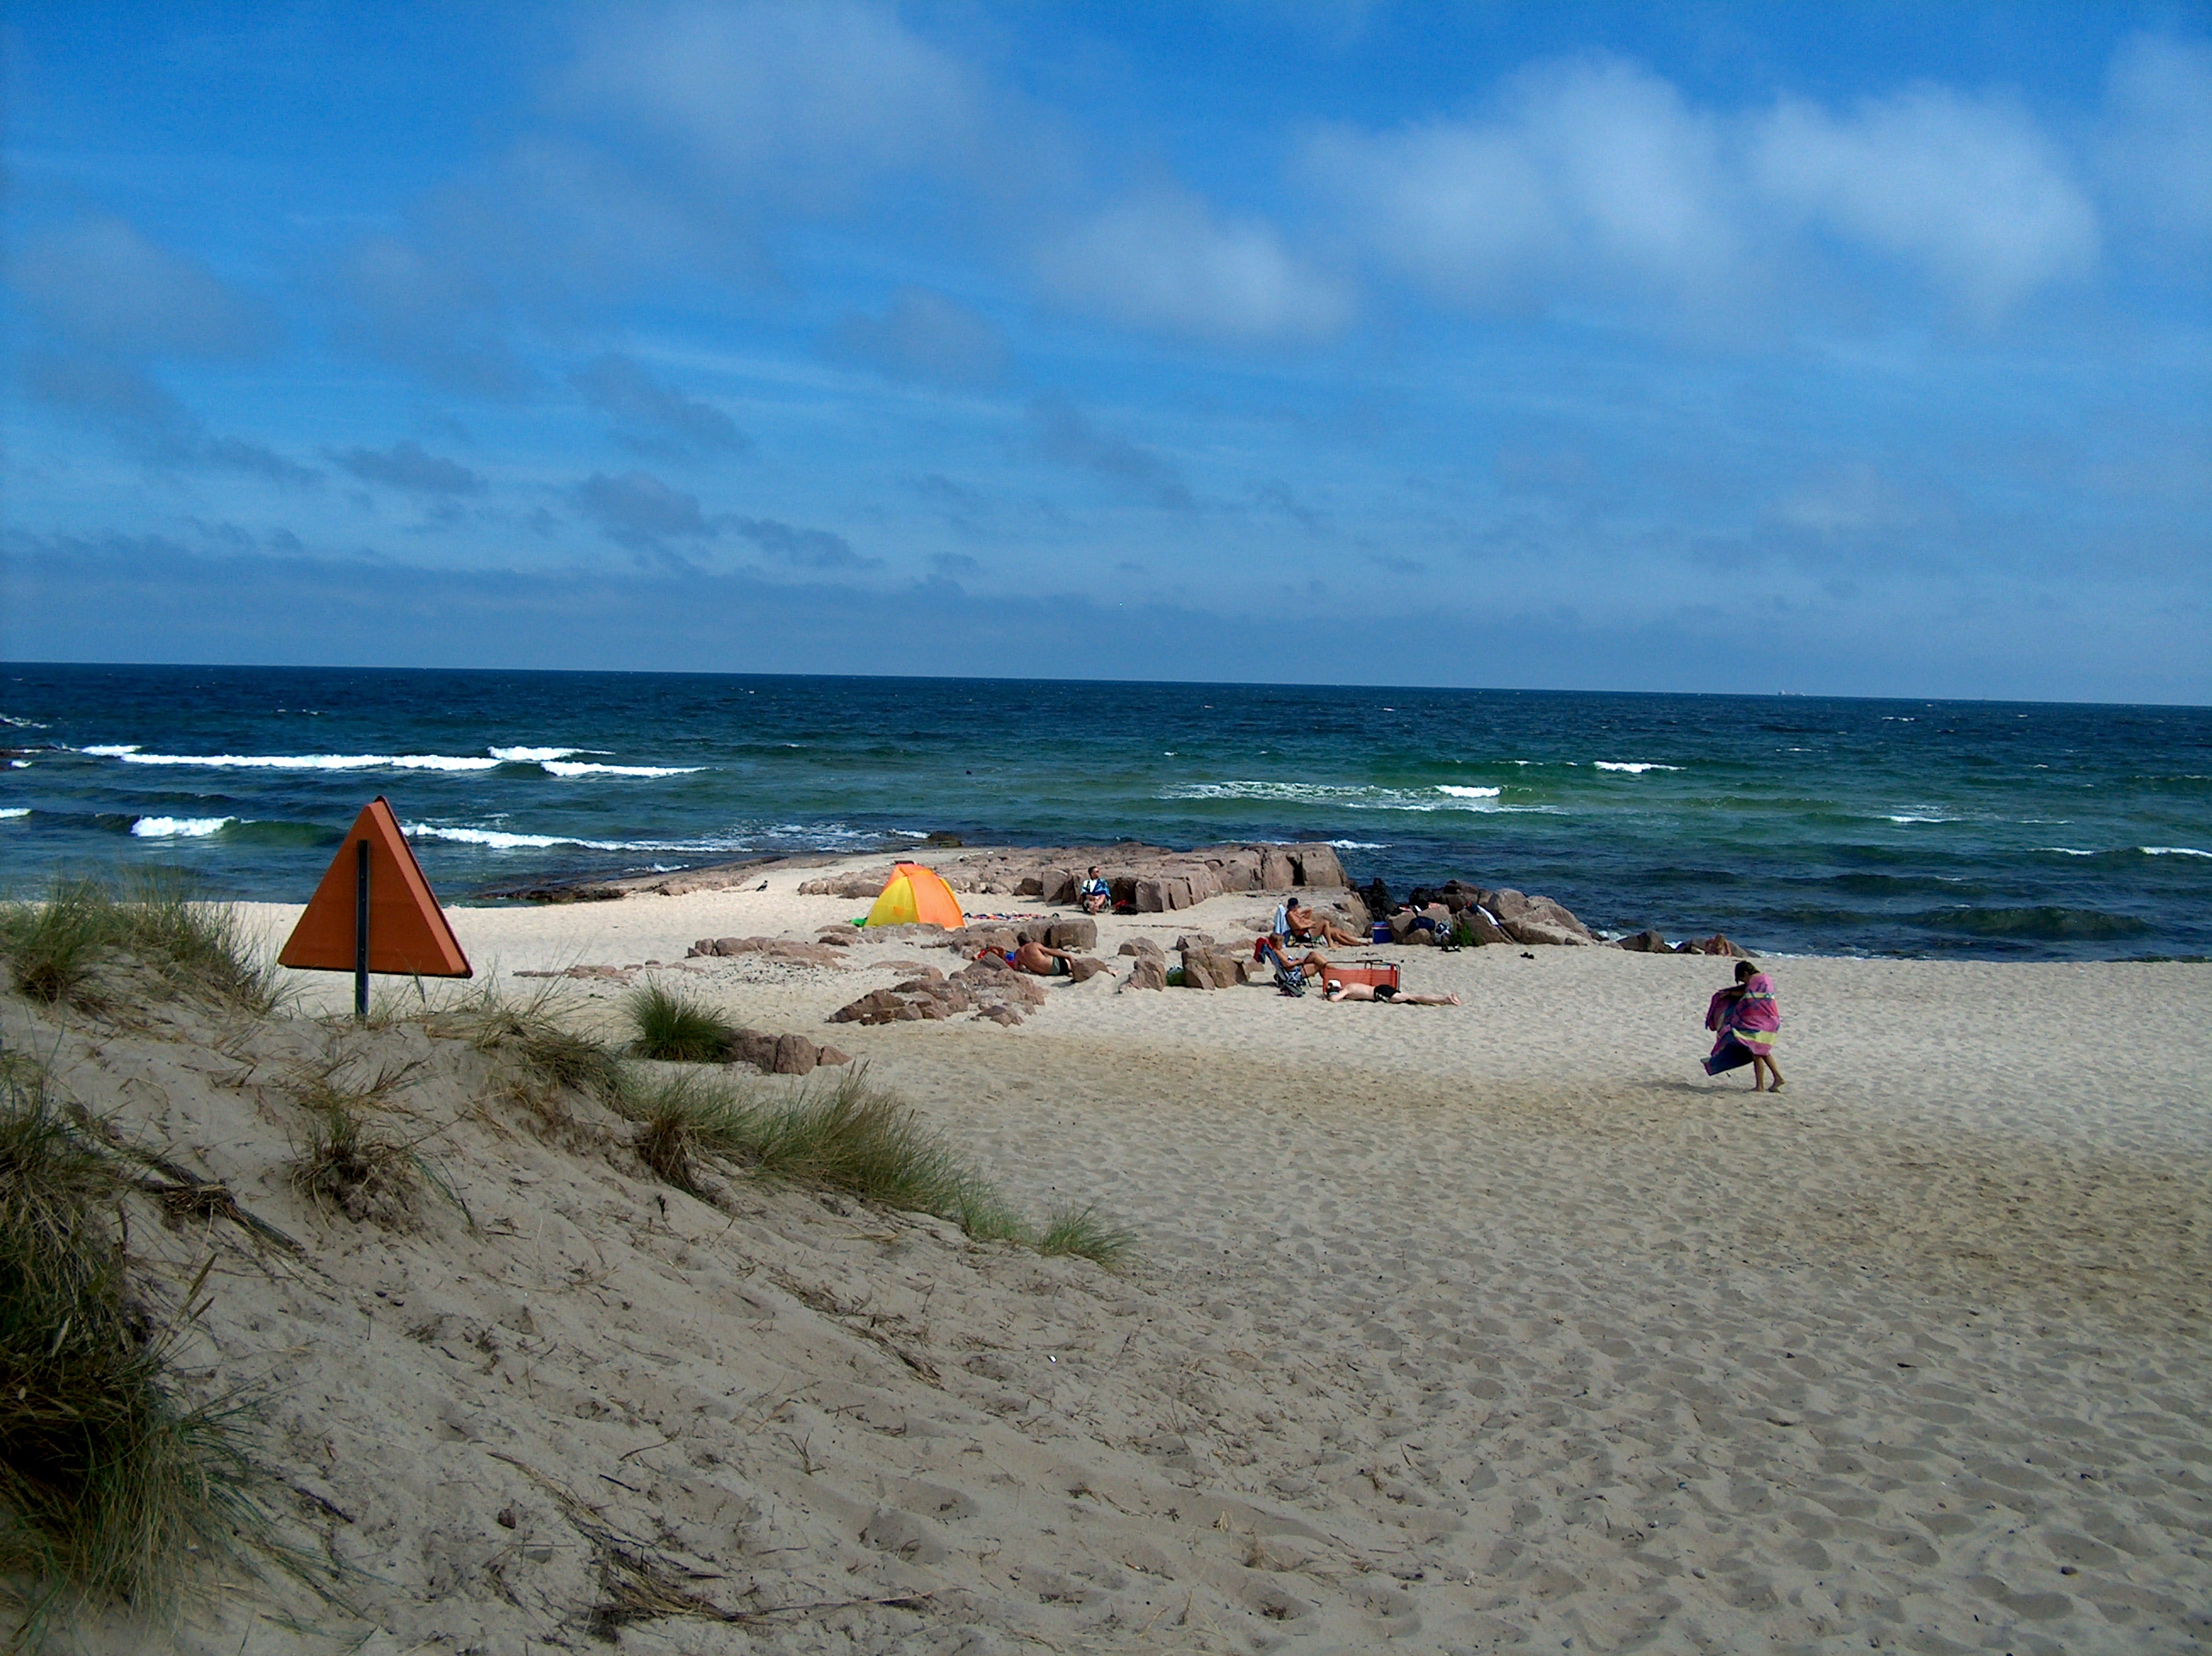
point(351, 1155)
point(75, 947)
point(528, 1034)
point(852, 1137)
point(111, 1488)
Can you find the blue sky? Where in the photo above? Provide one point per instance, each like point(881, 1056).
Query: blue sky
point(1859, 350)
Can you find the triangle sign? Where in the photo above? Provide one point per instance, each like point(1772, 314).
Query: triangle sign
point(408, 933)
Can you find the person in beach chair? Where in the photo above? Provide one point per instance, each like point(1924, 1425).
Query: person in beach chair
point(1094, 896)
point(1289, 978)
point(1745, 1018)
point(1302, 925)
point(1388, 994)
point(1029, 955)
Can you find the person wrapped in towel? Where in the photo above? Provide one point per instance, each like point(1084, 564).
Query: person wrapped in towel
point(1745, 1018)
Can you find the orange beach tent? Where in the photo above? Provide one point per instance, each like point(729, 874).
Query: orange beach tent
point(917, 893)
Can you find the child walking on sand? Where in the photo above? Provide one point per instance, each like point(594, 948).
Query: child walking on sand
point(1745, 1018)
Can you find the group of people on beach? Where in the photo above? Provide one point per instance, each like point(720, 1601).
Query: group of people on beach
point(1744, 1017)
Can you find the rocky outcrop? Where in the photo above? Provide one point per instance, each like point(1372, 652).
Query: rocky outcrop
point(1206, 966)
point(1150, 879)
point(1643, 943)
point(1716, 944)
point(779, 948)
point(992, 992)
point(1151, 971)
point(1069, 931)
point(780, 1055)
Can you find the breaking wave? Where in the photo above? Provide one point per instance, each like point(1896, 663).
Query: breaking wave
point(179, 827)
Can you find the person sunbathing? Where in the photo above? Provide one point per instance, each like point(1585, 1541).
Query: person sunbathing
point(1029, 955)
point(1302, 925)
point(1388, 994)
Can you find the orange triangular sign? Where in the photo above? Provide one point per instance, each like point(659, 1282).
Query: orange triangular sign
point(407, 932)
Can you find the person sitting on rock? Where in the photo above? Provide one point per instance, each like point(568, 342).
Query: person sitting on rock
point(1303, 925)
point(1389, 994)
point(1029, 955)
point(1094, 896)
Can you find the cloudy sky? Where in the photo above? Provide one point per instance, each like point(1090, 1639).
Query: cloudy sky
point(1706, 347)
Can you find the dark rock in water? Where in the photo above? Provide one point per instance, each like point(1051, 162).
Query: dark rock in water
point(949, 842)
point(1716, 944)
point(1643, 943)
point(1378, 899)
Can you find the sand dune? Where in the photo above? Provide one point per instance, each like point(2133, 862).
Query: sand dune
point(1455, 1328)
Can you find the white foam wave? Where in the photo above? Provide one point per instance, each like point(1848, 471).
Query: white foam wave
point(1360, 844)
point(1635, 768)
point(1446, 797)
point(179, 827)
point(529, 755)
point(2172, 850)
point(1914, 818)
point(20, 724)
point(110, 751)
point(501, 839)
point(2065, 851)
point(303, 761)
point(15, 811)
point(561, 768)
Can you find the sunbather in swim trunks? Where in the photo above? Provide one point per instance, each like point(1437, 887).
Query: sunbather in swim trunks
point(1388, 994)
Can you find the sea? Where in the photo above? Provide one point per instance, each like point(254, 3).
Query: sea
point(1795, 824)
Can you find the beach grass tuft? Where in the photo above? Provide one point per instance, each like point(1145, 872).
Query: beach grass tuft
point(849, 1136)
point(348, 1157)
point(65, 949)
point(1088, 1234)
point(110, 1485)
point(675, 1029)
point(530, 1033)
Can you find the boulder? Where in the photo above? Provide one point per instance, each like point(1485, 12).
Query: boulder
point(1194, 941)
point(1716, 944)
point(1277, 872)
point(1073, 932)
point(1151, 971)
point(1083, 969)
point(1142, 945)
point(1643, 943)
point(1484, 925)
point(1511, 906)
point(1204, 968)
point(779, 948)
point(781, 1055)
point(860, 882)
point(1316, 865)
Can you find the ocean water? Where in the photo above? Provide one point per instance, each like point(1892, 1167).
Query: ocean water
point(1796, 825)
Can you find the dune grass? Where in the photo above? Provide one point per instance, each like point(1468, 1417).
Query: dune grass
point(529, 1033)
point(675, 1029)
point(111, 1487)
point(71, 948)
point(849, 1136)
point(349, 1155)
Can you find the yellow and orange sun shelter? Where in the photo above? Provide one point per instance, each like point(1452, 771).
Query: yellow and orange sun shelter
point(915, 894)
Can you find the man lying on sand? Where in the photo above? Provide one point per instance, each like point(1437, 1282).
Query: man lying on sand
point(1388, 994)
point(1029, 955)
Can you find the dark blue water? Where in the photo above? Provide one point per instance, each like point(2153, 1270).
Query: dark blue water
point(1796, 823)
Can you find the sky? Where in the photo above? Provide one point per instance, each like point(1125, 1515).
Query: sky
point(1832, 349)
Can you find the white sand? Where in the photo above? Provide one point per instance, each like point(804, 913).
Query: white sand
point(1456, 1327)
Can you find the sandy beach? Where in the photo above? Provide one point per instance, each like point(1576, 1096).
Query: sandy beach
point(1461, 1327)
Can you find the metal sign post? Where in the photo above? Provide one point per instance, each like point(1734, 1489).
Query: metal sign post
point(361, 932)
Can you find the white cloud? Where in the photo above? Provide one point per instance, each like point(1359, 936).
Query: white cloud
point(800, 102)
point(1164, 260)
point(2157, 148)
point(102, 284)
point(1597, 177)
point(1591, 174)
point(1965, 189)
